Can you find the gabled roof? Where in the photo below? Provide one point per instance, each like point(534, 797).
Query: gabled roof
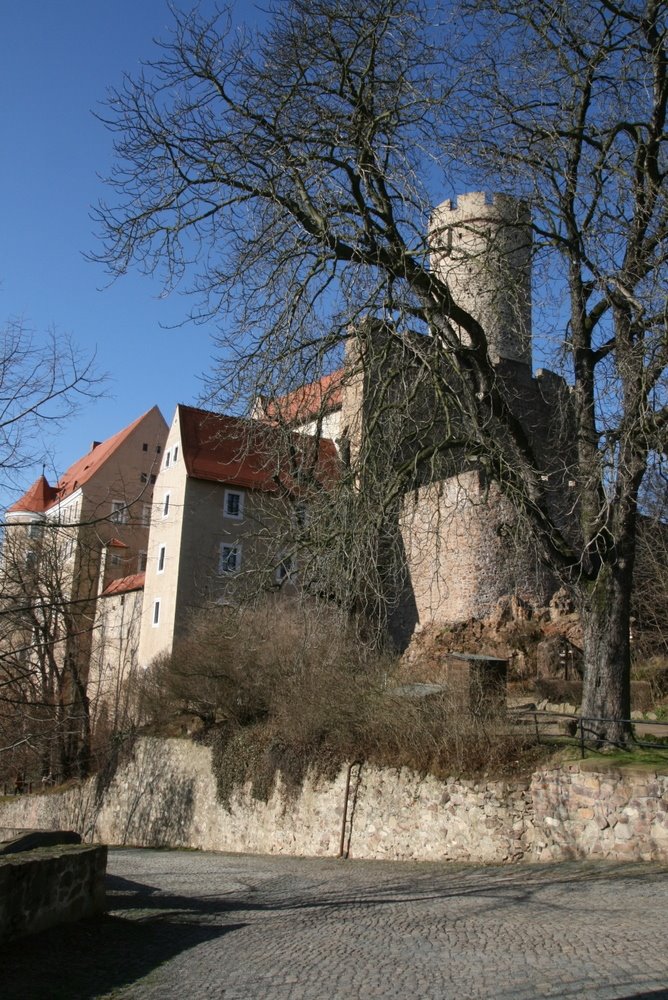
point(40, 497)
point(116, 543)
point(307, 402)
point(248, 453)
point(125, 584)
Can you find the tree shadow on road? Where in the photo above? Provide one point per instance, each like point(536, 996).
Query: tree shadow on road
point(97, 956)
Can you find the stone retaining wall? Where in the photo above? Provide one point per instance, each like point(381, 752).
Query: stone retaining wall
point(50, 885)
point(166, 796)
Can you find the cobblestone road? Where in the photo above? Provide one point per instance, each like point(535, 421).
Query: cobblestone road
point(189, 925)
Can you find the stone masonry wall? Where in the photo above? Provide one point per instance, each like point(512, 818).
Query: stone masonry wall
point(50, 886)
point(166, 797)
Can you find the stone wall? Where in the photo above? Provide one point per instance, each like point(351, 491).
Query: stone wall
point(48, 886)
point(166, 796)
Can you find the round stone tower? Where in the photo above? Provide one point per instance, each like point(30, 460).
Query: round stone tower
point(482, 249)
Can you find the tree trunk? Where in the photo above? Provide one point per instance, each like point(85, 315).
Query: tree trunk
point(605, 609)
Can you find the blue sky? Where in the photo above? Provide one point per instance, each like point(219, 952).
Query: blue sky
point(56, 62)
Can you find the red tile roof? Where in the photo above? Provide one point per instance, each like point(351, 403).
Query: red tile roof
point(41, 496)
point(308, 402)
point(247, 453)
point(37, 498)
point(116, 543)
point(122, 586)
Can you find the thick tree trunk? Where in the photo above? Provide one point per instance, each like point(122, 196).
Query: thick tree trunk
point(605, 609)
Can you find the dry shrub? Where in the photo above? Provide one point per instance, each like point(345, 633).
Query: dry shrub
point(283, 689)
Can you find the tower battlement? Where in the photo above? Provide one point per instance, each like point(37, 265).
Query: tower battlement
point(481, 248)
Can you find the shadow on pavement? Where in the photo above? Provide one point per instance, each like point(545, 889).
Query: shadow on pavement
point(92, 958)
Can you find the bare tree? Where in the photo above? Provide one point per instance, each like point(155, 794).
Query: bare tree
point(43, 380)
point(295, 169)
point(44, 639)
point(43, 708)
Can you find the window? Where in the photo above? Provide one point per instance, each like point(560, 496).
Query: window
point(151, 479)
point(165, 505)
point(158, 449)
point(156, 612)
point(161, 559)
point(35, 530)
point(115, 560)
point(230, 559)
point(30, 560)
point(168, 457)
point(301, 514)
point(143, 478)
point(119, 514)
point(141, 562)
point(146, 515)
point(176, 452)
point(285, 569)
point(233, 504)
point(144, 447)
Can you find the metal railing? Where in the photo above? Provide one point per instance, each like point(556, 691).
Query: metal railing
point(586, 731)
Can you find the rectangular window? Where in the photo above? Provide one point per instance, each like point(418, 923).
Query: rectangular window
point(145, 515)
point(165, 505)
point(35, 530)
point(156, 612)
point(158, 448)
point(176, 452)
point(168, 457)
point(119, 513)
point(143, 478)
point(233, 504)
point(151, 479)
point(141, 562)
point(161, 559)
point(301, 514)
point(144, 447)
point(115, 560)
point(285, 569)
point(230, 559)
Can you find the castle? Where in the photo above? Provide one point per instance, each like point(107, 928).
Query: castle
point(215, 508)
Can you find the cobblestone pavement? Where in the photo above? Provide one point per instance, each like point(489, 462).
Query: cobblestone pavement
point(189, 925)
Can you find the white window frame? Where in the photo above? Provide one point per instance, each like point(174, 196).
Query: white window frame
point(119, 512)
point(168, 459)
point(175, 453)
point(234, 493)
point(162, 551)
point(155, 615)
point(165, 504)
point(224, 569)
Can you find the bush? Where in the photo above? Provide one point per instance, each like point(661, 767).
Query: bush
point(284, 689)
